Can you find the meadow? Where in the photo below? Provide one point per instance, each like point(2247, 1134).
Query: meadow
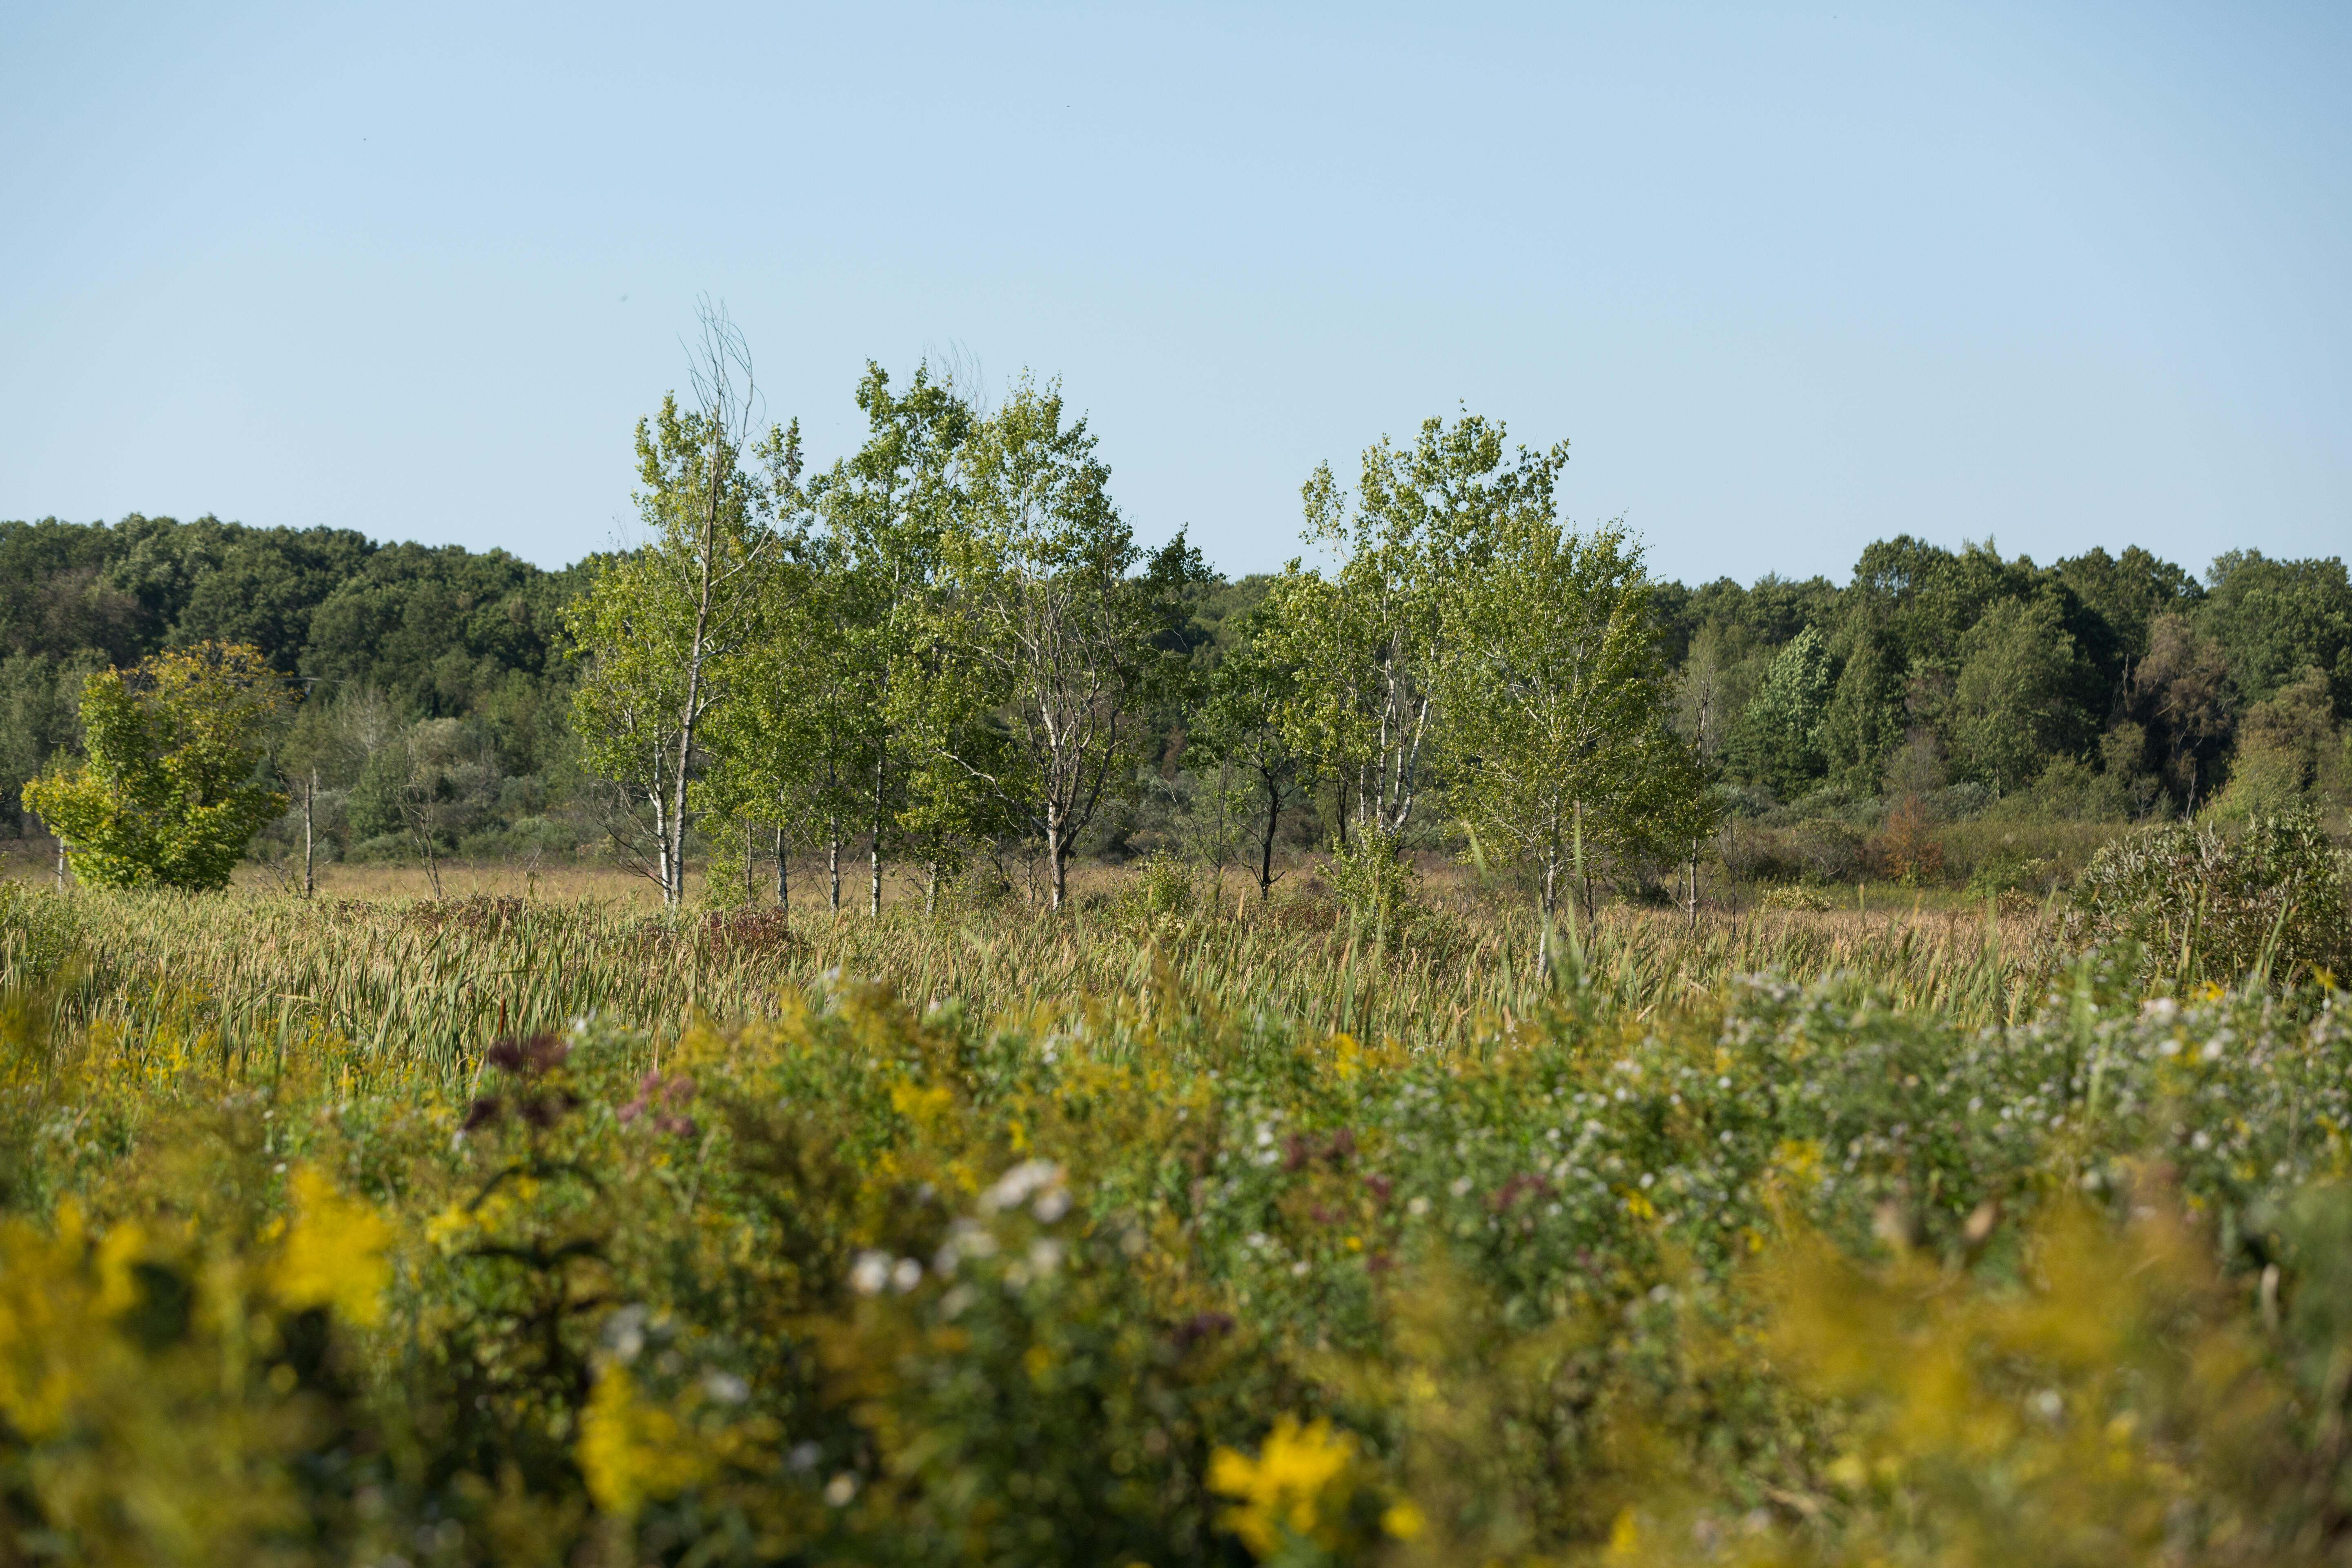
point(540, 1224)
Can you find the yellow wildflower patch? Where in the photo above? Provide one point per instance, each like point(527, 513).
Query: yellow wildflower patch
point(333, 1253)
point(1298, 1486)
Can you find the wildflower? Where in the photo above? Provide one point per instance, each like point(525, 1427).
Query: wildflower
point(334, 1254)
point(1015, 1186)
point(1201, 1326)
point(633, 1451)
point(1298, 1486)
point(1403, 1520)
point(539, 1055)
point(661, 1100)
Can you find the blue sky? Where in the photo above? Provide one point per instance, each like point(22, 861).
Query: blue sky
point(1788, 279)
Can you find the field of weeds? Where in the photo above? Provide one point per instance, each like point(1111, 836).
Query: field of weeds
point(507, 1230)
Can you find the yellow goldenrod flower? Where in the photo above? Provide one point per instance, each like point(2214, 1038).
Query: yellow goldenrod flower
point(632, 1451)
point(334, 1252)
point(1298, 1484)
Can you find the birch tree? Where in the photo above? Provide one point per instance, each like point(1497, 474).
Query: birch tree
point(1369, 640)
point(663, 627)
point(1557, 707)
point(1053, 641)
point(884, 512)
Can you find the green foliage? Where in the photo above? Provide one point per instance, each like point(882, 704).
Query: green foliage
point(439, 633)
point(2275, 619)
point(1759, 1272)
point(2010, 708)
point(1864, 722)
point(1369, 643)
point(1778, 743)
point(2291, 752)
point(1556, 711)
point(167, 796)
point(1240, 725)
point(1051, 644)
point(664, 632)
point(2199, 907)
point(40, 934)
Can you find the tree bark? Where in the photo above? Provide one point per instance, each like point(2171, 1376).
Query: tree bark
point(881, 764)
point(1056, 861)
point(1265, 848)
point(309, 794)
point(784, 883)
point(833, 856)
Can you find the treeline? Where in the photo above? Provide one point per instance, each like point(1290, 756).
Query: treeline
point(2105, 686)
point(948, 646)
point(952, 641)
point(405, 653)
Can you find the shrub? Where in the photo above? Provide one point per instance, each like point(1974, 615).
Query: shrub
point(1374, 880)
point(38, 933)
point(167, 796)
point(1906, 848)
point(1163, 886)
point(2205, 907)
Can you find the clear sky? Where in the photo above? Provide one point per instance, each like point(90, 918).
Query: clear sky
point(1788, 279)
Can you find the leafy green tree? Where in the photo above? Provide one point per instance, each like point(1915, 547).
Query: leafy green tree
point(264, 588)
point(2129, 590)
point(1238, 725)
point(1864, 722)
point(1779, 739)
point(2291, 753)
point(167, 796)
point(1714, 687)
point(1368, 641)
point(1048, 638)
point(2010, 711)
point(2180, 695)
point(662, 629)
point(885, 511)
point(2274, 619)
point(1557, 707)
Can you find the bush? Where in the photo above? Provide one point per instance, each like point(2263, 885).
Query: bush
point(38, 933)
point(1906, 848)
point(1374, 880)
point(2204, 907)
point(1163, 886)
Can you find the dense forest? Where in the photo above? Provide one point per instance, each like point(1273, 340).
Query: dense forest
point(2099, 687)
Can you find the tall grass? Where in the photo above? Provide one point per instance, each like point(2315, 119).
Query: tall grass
point(430, 983)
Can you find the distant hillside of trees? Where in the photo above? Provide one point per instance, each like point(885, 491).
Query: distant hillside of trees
point(438, 690)
point(409, 632)
point(2100, 685)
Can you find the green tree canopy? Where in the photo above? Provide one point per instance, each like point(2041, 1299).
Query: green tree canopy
point(2010, 713)
point(167, 796)
point(1555, 706)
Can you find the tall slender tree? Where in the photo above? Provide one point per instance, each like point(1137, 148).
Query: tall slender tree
point(1238, 725)
point(1368, 641)
point(1050, 636)
point(662, 627)
point(1557, 710)
point(884, 510)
